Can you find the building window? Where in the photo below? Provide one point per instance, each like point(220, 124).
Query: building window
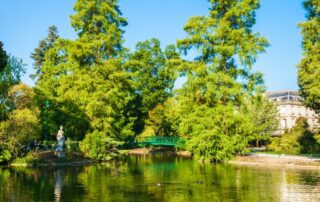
point(283, 124)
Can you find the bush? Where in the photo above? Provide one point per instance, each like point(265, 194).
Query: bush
point(299, 140)
point(72, 146)
point(5, 156)
point(21, 125)
point(21, 128)
point(99, 146)
point(210, 146)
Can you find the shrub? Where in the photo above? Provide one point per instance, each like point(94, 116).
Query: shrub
point(5, 156)
point(71, 145)
point(21, 128)
point(99, 146)
point(299, 140)
point(21, 125)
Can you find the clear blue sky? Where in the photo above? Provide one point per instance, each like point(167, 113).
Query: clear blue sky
point(24, 22)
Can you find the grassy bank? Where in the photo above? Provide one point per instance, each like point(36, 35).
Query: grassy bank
point(48, 158)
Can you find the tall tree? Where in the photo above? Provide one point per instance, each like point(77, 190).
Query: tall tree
point(220, 81)
point(9, 76)
point(309, 67)
point(3, 57)
point(99, 23)
point(85, 79)
point(38, 55)
point(225, 39)
point(154, 76)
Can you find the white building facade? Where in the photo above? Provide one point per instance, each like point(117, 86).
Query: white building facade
point(290, 108)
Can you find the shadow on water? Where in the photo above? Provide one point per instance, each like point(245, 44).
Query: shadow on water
point(158, 177)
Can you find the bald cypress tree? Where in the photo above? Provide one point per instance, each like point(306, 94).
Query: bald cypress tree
point(309, 67)
point(154, 76)
point(86, 78)
point(225, 39)
point(214, 104)
point(99, 24)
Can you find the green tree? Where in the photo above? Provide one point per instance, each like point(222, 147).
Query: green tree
point(154, 77)
point(38, 55)
point(262, 118)
point(3, 57)
point(9, 76)
point(22, 124)
point(308, 69)
point(220, 81)
point(22, 96)
point(85, 79)
point(99, 24)
point(98, 146)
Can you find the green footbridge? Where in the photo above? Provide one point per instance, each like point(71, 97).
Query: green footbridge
point(170, 141)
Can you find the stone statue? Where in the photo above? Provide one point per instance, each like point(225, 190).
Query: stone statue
point(61, 139)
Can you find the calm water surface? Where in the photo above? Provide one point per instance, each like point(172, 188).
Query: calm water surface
point(159, 178)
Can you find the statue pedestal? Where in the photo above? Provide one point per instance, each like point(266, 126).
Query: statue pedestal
point(60, 154)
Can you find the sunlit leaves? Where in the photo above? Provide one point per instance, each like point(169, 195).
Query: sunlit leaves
point(309, 67)
point(218, 104)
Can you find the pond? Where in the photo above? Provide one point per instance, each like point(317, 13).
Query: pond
point(159, 178)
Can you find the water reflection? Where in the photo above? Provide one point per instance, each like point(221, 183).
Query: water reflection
point(58, 184)
point(303, 185)
point(159, 178)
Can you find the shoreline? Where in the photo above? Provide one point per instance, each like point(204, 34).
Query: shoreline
point(280, 161)
point(74, 163)
point(256, 160)
point(50, 159)
point(273, 166)
point(148, 151)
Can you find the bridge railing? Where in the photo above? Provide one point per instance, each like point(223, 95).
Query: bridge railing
point(161, 141)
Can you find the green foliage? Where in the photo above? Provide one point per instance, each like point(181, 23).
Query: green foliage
point(261, 118)
point(317, 137)
point(154, 77)
point(299, 140)
point(3, 57)
point(85, 79)
point(308, 69)
point(72, 146)
point(99, 146)
point(96, 87)
point(12, 113)
point(225, 33)
point(216, 133)
point(22, 125)
point(220, 104)
point(158, 122)
point(5, 155)
point(9, 76)
point(99, 24)
point(38, 55)
point(22, 96)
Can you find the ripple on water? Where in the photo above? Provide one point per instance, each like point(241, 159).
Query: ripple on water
point(159, 179)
